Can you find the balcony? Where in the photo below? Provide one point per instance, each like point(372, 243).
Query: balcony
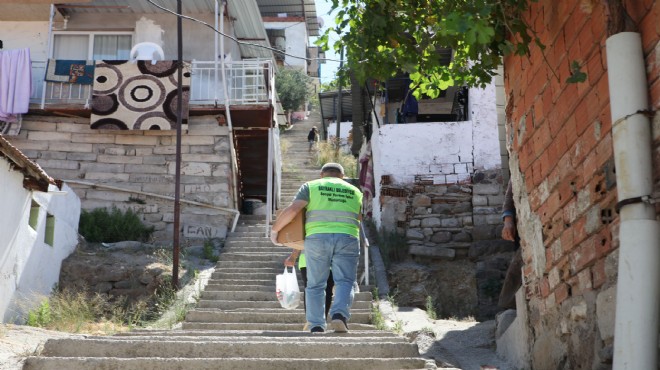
point(248, 83)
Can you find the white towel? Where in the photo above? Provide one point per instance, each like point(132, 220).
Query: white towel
point(15, 83)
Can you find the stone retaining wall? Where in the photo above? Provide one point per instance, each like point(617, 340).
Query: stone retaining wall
point(139, 161)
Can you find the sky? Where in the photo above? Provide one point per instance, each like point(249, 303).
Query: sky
point(328, 69)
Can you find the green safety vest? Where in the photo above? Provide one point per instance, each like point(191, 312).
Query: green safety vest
point(334, 207)
point(302, 262)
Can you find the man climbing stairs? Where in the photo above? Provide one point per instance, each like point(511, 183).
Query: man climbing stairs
point(238, 322)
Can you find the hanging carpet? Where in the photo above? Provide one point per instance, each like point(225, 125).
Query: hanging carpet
point(138, 96)
point(70, 71)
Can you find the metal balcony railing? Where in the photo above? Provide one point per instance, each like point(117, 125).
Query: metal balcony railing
point(248, 82)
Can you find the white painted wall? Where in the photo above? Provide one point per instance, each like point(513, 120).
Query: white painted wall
point(20, 35)
point(29, 268)
point(296, 42)
point(449, 152)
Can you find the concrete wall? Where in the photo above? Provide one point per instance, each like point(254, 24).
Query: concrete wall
point(198, 40)
point(29, 268)
point(563, 176)
point(141, 161)
point(295, 33)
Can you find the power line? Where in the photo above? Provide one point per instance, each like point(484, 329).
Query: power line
point(235, 39)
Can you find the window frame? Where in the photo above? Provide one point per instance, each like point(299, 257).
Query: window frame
point(90, 39)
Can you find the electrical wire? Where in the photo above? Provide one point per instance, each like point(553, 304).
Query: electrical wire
point(234, 38)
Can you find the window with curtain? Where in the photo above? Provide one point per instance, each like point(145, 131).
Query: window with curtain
point(103, 47)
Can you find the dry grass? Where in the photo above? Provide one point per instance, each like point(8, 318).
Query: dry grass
point(328, 152)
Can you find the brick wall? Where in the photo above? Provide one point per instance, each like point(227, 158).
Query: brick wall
point(141, 161)
point(562, 168)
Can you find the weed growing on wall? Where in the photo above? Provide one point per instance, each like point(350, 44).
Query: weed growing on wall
point(430, 308)
point(103, 226)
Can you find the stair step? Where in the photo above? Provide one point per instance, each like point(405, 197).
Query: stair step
point(288, 317)
point(82, 363)
point(297, 327)
point(234, 305)
point(240, 333)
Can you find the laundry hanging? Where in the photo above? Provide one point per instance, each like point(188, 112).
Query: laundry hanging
point(15, 83)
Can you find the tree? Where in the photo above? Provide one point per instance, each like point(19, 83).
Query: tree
point(386, 37)
point(293, 88)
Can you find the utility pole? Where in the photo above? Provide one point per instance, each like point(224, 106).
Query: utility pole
point(179, 122)
point(339, 112)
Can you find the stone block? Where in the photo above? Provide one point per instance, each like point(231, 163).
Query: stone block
point(114, 151)
point(93, 138)
point(71, 147)
point(207, 130)
point(202, 149)
point(422, 211)
point(441, 237)
point(204, 231)
point(415, 223)
point(146, 168)
point(87, 157)
point(119, 159)
point(462, 237)
point(441, 208)
point(430, 222)
point(480, 200)
point(421, 200)
point(106, 176)
point(169, 149)
point(206, 188)
point(73, 127)
point(148, 178)
point(197, 140)
point(432, 252)
point(59, 164)
point(156, 160)
point(136, 140)
point(205, 158)
point(49, 136)
point(450, 222)
point(414, 234)
point(496, 201)
point(143, 152)
point(102, 167)
point(28, 145)
point(605, 310)
point(483, 248)
point(30, 125)
point(486, 211)
point(487, 189)
point(113, 196)
point(191, 169)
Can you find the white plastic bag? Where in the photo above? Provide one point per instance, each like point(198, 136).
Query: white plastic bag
point(287, 289)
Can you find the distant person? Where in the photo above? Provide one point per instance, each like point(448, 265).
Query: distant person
point(332, 224)
point(302, 266)
point(312, 137)
point(513, 278)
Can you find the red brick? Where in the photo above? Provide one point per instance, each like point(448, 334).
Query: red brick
point(549, 259)
point(567, 239)
point(594, 68)
point(541, 139)
point(544, 287)
point(586, 254)
point(603, 242)
point(636, 10)
point(582, 117)
point(598, 275)
point(558, 50)
point(654, 93)
point(579, 232)
point(536, 173)
point(562, 292)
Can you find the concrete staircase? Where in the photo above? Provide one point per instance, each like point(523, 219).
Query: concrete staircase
point(238, 323)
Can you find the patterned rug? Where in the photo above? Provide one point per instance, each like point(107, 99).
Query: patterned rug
point(138, 96)
point(70, 71)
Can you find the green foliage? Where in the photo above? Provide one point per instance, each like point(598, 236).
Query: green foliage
point(577, 75)
point(293, 88)
point(208, 251)
point(393, 246)
point(41, 316)
point(101, 225)
point(430, 308)
point(383, 38)
point(377, 319)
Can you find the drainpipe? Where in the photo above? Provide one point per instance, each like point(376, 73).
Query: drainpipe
point(232, 151)
point(637, 309)
point(51, 15)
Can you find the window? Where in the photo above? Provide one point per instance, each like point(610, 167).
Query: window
point(34, 215)
point(92, 46)
point(49, 237)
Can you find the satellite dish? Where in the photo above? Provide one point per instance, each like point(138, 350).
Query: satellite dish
point(321, 21)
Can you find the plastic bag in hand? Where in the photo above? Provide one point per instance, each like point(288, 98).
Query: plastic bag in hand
point(287, 290)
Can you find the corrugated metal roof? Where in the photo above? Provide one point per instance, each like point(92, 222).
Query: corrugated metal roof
point(297, 8)
point(140, 6)
point(249, 27)
point(328, 102)
point(35, 177)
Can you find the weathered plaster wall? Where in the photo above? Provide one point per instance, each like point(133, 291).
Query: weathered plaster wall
point(19, 35)
point(29, 268)
point(563, 177)
point(142, 161)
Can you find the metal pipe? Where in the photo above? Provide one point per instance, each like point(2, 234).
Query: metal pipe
point(269, 181)
point(215, 46)
point(50, 52)
point(232, 150)
point(177, 175)
point(638, 279)
point(159, 196)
